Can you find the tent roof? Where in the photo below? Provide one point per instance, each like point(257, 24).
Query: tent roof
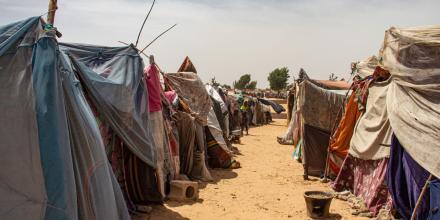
point(187, 66)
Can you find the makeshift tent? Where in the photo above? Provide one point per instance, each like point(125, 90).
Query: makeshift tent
point(363, 170)
point(406, 104)
point(192, 92)
point(53, 160)
point(112, 80)
point(411, 56)
point(318, 109)
point(340, 140)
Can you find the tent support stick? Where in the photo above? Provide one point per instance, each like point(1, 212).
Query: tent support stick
point(419, 200)
point(51, 12)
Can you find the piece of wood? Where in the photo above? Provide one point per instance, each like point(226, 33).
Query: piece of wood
point(142, 27)
point(419, 200)
point(51, 11)
point(158, 37)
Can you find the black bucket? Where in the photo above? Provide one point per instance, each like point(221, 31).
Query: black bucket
point(318, 204)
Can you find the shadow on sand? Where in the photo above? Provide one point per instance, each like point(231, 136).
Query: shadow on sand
point(160, 212)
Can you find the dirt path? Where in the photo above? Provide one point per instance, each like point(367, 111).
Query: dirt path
point(268, 186)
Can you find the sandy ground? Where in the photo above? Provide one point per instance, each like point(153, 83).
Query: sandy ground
point(268, 186)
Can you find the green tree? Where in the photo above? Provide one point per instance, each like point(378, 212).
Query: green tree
point(245, 82)
point(252, 85)
point(278, 78)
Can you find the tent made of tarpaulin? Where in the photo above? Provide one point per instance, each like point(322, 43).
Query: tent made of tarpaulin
point(53, 160)
point(411, 55)
point(319, 109)
point(112, 78)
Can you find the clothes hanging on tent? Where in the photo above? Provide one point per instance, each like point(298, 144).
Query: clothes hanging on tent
point(405, 180)
point(152, 78)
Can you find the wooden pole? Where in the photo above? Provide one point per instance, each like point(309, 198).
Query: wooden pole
point(51, 12)
point(420, 199)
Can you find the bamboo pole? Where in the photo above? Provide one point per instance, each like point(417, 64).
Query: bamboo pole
point(51, 12)
point(420, 199)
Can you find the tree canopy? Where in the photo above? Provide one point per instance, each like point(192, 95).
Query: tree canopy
point(278, 78)
point(245, 82)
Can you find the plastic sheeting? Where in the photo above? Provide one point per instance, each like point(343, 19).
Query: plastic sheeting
point(53, 160)
point(412, 57)
point(112, 77)
point(371, 139)
point(276, 107)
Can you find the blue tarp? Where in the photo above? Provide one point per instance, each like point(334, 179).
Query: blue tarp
point(276, 107)
point(53, 160)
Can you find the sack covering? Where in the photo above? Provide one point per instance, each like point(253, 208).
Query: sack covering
point(412, 57)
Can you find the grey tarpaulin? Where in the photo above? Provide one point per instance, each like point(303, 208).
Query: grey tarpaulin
point(112, 77)
point(318, 108)
point(53, 160)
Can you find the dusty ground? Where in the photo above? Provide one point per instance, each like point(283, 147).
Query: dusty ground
point(268, 186)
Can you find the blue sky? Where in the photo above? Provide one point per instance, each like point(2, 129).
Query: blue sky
point(228, 38)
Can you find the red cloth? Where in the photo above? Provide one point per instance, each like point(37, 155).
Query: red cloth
point(151, 75)
point(171, 95)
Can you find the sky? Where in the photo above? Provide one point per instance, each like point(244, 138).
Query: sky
point(228, 38)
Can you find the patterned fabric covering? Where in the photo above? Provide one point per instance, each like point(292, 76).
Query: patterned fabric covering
point(217, 156)
point(365, 179)
point(192, 91)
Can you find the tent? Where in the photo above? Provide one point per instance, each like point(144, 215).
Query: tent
point(191, 90)
point(340, 140)
point(53, 161)
point(112, 81)
point(396, 136)
point(411, 55)
point(318, 110)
